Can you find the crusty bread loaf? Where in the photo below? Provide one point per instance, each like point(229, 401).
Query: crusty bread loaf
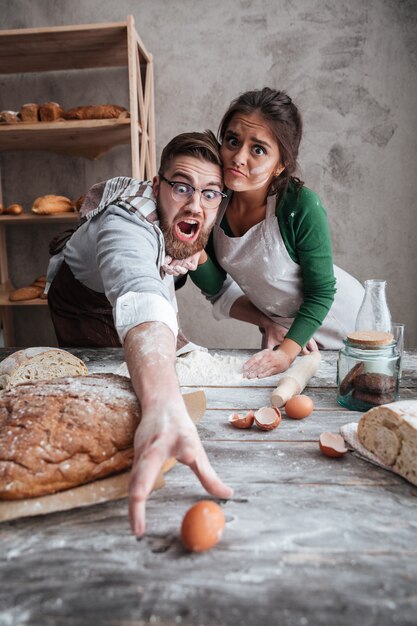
point(50, 204)
point(29, 112)
point(12, 209)
point(50, 112)
point(390, 432)
point(25, 293)
point(9, 117)
point(65, 432)
point(39, 363)
point(95, 112)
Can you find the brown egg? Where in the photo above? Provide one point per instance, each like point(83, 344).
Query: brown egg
point(299, 407)
point(242, 421)
point(332, 445)
point(267, 417)
point(202, 526)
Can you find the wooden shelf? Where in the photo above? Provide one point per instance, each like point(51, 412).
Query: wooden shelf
point(79, 47)
point(31, 218)
point(63, 48)
point(87, 138)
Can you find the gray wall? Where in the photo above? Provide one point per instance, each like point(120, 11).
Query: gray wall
point(351, 68)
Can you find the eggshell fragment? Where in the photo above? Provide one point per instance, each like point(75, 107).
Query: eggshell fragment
point(267, 417)
point(242, 421)
point(332, 445)
point(298, 407)
point(202, 526)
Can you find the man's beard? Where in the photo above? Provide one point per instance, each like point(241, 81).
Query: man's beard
point(181, 249)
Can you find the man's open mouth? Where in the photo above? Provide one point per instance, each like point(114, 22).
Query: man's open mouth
point(187, 230)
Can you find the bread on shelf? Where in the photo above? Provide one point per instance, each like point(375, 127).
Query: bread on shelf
point(12, 209)
point(50, 112)
point(9, 117)
point(30, 292)
point(96, 112)
point(51, 204)
point(29, 112)
point(25, 293)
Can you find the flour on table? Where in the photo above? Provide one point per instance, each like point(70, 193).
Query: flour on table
point(202, 368)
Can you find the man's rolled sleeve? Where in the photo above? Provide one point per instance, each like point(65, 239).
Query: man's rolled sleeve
point(134, 308)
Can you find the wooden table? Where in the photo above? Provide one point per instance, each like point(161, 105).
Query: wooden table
point(308, 541)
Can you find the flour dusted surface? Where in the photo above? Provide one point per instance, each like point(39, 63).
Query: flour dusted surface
point(202, 368)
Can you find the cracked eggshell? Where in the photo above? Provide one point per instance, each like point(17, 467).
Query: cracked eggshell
point(242, 421)
point(202, 526)
point(332, 445)
point(298, 407)
point(267, 417)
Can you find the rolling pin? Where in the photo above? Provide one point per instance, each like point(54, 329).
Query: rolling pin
point(296, 378)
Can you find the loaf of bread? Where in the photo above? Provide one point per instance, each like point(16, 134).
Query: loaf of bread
point(39, 363)
point(31, 292)
point(390, 432)
point(51, 204)
point(50, 112)
point(12, 209)
point(29, 112)
point(95, 112)
point(65, 432)
point(9, 117)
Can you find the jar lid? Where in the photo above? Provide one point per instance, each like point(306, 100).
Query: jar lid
point(370, 338)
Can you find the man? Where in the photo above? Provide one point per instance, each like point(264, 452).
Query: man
point(108, 285)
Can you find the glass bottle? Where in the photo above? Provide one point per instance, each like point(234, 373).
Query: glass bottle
point(374, 313)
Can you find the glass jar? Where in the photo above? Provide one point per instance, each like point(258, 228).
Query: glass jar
point(374, 313)
point(367, 375)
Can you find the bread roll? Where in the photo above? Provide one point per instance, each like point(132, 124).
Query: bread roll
point(12, 209)
point(29, 112)
point(95, 112)
point(390, 432)
point(25, 293)
point(65, 432)
point(51, 204)
point(50, 112)
point(9, 117)
point(38, 363)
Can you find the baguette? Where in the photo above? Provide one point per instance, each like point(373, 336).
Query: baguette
point(95, 112)
point(38, 364)
point(390, 432)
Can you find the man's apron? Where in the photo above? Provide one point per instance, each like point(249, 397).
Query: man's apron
point(260, 264)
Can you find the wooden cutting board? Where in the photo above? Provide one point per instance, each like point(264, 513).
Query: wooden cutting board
point(104, 490)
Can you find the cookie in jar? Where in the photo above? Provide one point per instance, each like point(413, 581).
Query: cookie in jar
point(368, 370)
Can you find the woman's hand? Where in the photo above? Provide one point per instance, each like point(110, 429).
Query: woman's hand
point(266, 363)
point(310, 346)
point(274, 333)
point(278, 359)
point(178, 267)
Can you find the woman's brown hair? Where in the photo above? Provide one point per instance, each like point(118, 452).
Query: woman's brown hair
point(284, 120)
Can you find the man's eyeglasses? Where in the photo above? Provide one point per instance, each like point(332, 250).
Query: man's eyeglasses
point(209, 198)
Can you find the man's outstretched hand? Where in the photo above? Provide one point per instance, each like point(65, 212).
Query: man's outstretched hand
point(167, 432)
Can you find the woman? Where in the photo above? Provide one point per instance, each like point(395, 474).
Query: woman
point(269, 259)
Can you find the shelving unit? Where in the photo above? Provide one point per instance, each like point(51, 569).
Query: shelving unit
point(77, 47)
